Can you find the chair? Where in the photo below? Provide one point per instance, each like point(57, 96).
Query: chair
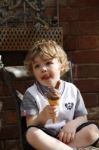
point(8, 74)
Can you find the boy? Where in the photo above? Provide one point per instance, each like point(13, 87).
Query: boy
point(47, 62)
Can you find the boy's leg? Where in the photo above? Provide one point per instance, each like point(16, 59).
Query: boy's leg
point(40, 140)
point(85, 136)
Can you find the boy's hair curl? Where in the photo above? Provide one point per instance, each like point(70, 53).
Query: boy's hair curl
point(48, 49)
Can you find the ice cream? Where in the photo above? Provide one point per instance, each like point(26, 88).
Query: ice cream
point(53, 98)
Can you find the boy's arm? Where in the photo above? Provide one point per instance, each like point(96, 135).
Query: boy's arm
point(79, 120)
point(35, 119)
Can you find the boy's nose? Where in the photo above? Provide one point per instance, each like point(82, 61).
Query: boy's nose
point(43, 68)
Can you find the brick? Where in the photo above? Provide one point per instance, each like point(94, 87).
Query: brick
point(82, 42)
point(5, 90)
point(71, 43)
point(88, 85)
point(9, 132)
point(66, 29)
point(90, 99)
point(68, 14)
point(23, 85)
point(15, 83)
point(88, 42)
point(1, 87)
point(1, 105)
point(84, 57)
point(12, 145)
point(1, 145)
point(8, 103)
point(84, 3)
point(86, 71)
point(85, 28)
point(10, 117)
point(0, 123)
point(53, 3)
point(89, 14)
point(65, 14)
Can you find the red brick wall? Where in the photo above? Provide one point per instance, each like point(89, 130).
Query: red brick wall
point(9, 133)
point(81, 40)
point(80, 22)
point(9, 125)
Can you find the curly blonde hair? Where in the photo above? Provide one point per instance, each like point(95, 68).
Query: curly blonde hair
point(48, 49)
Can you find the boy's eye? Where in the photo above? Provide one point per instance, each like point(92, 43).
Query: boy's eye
point(37, 66)
point(49, 63)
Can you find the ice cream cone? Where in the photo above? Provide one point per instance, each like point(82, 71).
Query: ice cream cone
point(54, 97)
point(54, 102)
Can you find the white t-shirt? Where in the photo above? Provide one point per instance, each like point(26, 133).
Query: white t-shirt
point(71, 104)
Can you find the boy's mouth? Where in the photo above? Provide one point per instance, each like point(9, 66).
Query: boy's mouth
point(46, 77)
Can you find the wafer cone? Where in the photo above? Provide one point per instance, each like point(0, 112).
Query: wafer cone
point(54, 102)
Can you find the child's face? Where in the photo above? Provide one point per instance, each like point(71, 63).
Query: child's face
point(46, 71)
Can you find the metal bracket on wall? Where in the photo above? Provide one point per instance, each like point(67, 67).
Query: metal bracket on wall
point(22, 12)
point(22, 22)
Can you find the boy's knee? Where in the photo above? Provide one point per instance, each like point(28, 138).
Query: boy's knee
point(93, 131)
point(30, 134)
point(93, 128)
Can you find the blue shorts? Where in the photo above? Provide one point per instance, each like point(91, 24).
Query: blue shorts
point(53, 133)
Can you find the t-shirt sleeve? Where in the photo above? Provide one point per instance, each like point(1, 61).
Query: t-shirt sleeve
point(28, 105)
point(80, 108)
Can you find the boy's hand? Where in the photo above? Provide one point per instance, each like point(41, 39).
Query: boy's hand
point(67, 133)
point(49, 112)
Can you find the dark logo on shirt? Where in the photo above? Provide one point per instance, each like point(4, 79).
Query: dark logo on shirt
point(69, 106)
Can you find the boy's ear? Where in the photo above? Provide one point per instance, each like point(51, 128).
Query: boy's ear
point(62, 67)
